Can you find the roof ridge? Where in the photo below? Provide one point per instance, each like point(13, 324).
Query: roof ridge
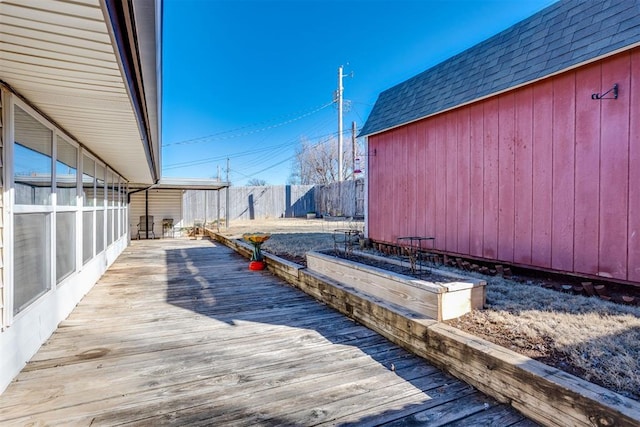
point(558, 37)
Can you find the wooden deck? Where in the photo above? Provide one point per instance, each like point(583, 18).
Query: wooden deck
point(180, 332)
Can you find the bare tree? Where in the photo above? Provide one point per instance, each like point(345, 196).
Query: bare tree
point(256, 182)
point(318, 163)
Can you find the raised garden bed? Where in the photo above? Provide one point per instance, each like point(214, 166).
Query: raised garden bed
point(545, 394)
point(437, 294)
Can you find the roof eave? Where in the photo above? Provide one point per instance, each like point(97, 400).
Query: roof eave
point(137, 35)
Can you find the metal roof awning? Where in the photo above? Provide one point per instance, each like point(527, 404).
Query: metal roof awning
point(182, 184)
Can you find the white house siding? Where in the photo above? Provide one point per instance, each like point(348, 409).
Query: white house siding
point(163, 203)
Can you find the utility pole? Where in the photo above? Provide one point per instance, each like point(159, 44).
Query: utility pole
point(340, 90)
point(339, 94)
point(353, 150)
point(218, 201)
point(226, 211)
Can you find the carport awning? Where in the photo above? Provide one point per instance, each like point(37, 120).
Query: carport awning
point(93, 68)
point(183, 184)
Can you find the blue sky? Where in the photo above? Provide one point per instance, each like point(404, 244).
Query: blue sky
point(248, 80)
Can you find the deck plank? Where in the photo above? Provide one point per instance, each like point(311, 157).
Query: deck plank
point(179, 332)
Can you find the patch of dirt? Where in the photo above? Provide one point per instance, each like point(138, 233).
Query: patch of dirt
point(293, 258)
point(540, 348)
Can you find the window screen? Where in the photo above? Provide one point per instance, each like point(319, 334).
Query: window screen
point(99, 231)
point(88, 181)
point(32, 252)
point(87, 236)
point(100, 184)
point(65, 244)
point(66, 173)
point(32, 160)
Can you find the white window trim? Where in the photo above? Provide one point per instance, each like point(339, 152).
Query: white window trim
point(10, 101)
point(7, 197)
point(20, 209)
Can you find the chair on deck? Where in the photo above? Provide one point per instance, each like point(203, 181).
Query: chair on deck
point(146, 224)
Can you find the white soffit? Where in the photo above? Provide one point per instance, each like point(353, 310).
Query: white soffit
point(60, 57)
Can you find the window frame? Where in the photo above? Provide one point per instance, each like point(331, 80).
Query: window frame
point(17, 209)
point(9, 104)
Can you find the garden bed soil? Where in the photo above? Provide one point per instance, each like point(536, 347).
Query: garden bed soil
point(435, 294)
point(426, 275)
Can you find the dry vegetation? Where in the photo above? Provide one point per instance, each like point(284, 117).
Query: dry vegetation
point(591, 338)
point(292, 238)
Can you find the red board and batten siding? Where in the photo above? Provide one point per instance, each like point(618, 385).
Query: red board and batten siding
point(633, 262)
point(542, 175)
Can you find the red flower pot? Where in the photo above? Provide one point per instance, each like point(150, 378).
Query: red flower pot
point(256, 265)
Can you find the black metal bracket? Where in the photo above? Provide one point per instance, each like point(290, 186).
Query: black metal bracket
point(614, 95)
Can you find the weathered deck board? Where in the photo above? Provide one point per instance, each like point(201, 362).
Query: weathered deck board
point(180, 332)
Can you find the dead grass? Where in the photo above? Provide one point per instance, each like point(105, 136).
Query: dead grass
point(591, 338)
point(594, 339)
point(292, 238)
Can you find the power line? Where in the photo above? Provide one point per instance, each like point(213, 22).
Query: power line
point(287, 159)
point(212, 137)
point(261, 160)
point(241, 154)
point(222, 157)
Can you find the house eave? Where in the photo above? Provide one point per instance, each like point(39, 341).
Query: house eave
point(133, 28)
point(63, 60)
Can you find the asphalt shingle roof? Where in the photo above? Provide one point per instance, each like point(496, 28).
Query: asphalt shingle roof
point(558, 37)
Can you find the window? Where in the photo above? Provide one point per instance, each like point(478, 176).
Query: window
point(66, 173)
point(87, 236)
point(112, 184)
point(32, 160)
point(99, 231)
point(48, 230)
point(110, 217)
point(32, 172)
point(123, 208)
point(65, 244)
point(32, 252)
point(88, 181)
point(99, 185)
point(118, 212)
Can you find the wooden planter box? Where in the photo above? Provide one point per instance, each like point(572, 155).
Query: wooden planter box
point(439, 301)
point(545, 394)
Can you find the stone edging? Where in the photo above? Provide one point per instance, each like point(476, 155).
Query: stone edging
point(544, 394)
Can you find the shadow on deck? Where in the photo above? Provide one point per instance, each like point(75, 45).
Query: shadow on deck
point(180, 332)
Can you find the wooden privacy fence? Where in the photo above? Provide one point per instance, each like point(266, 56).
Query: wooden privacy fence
point(277, 201)
point(274, 201)
point(341, 198)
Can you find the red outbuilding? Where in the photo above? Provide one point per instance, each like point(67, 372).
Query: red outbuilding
point(523, 149)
